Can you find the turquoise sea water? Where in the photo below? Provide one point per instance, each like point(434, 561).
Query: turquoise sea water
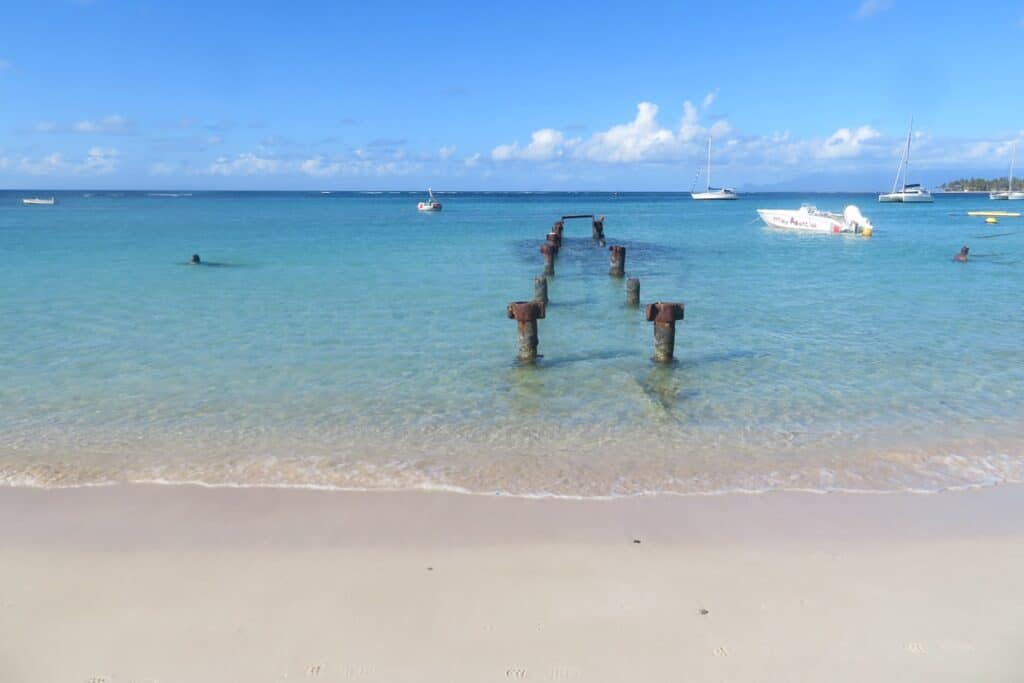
point(350, 341)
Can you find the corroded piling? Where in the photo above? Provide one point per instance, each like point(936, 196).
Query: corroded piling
point(617, 261)
point(555, 238)
point(664, 315)
point(549, 250)
point(540, 289)
point(526, 314)
point(633, 291)
point(597, 228)
point(559, 227)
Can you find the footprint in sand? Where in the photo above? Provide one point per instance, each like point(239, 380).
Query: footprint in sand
point(99, 679)
point(517, 674)
point(917, 649)
point(356, 671)
point(565, 673)
point(720, 652)
point(313, 670)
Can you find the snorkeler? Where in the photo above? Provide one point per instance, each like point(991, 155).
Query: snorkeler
point(195, 260)
point(962, 256)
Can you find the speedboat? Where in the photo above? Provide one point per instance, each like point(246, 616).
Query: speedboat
point(809, 218)
point(431, 204)
point(911, 193)
point(712, 192)
point(39, 201)
point(1009, 193)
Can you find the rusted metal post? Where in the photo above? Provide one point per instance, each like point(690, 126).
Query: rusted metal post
point(555, 238)
point(540, 289)
point(633, 291)
point(617, 261)
point(549, 250)
point(526, 314)
point(664, 315)
point(558, 227)
point(597, 228)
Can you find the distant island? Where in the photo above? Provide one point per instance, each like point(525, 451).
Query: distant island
point(975, 185)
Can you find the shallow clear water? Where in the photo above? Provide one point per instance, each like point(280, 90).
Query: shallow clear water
point(350, 341)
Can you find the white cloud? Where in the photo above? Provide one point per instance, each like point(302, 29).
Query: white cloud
point(472, 161)
point(114, 124)
point(99, 161)
point(545, 144)
point(45, 127)
point(317, 167)
point(44, 166)
point(447, 152)
point(709, 99)
point(161, 168)
point(846, 143)
point(243, 164)
point(871, 7)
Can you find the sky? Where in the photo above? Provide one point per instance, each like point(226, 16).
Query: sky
point(105, 94)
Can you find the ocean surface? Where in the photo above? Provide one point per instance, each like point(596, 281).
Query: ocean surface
point(346, 340)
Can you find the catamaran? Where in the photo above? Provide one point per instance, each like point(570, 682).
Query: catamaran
point(911, 193)
point(429, 205)
point(713, 192)
point(39, 201)
point(1009, 194)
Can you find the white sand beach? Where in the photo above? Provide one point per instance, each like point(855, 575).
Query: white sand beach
point(158, 583)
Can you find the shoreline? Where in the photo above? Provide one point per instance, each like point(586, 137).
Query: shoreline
point(179, 583)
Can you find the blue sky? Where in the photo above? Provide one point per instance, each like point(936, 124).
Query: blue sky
point(525, 95)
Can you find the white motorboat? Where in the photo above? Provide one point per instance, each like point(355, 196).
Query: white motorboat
point(1009, 194)
point(910, 193)
point(39, 201)
point(713, 192)
point(809, 218)
point(431, 204)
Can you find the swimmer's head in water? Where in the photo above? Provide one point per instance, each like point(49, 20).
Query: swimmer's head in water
point(964, 250)
point(195, 259)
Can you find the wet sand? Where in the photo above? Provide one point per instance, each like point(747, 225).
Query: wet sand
point(153, 583)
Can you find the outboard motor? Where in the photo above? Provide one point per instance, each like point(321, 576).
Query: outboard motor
point(861, 225)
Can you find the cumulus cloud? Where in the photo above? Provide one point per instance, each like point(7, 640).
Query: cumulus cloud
point(46, 165)
point(709, 99)
point(545, 144)
point(317, 167)
point(447, 152)
point(872, 7)
point(473, 160)
point(243, 164)
point(846, 142)
point(114, 124)
point(99, 161)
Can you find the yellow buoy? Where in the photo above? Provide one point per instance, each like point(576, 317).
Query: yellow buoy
point(867, 231)
point(991, 219)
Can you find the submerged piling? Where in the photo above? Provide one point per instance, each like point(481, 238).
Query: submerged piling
point(597, 228)
point(555, 238)
point(633, 291)
point(617, 261)
point(559, 227)
point(526, 314)
point(664, 315)
point(549, 250)
point(540, 289)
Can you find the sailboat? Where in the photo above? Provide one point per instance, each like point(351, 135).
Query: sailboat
point(713, 192)
point(431, 204)
point(1009, 194)
point(910, 192)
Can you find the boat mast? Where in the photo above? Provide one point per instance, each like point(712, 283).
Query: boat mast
point(709, 163)
point(906, 156)
point(1013, 157)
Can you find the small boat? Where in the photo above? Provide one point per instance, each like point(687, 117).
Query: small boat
point(911, 193)
point(1009, 194)
point(39, 201)
point(811, 219)
point(429, 205)
point(995, 214)
point(713, 192)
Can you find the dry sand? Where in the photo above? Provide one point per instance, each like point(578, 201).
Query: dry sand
point(151, 583)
